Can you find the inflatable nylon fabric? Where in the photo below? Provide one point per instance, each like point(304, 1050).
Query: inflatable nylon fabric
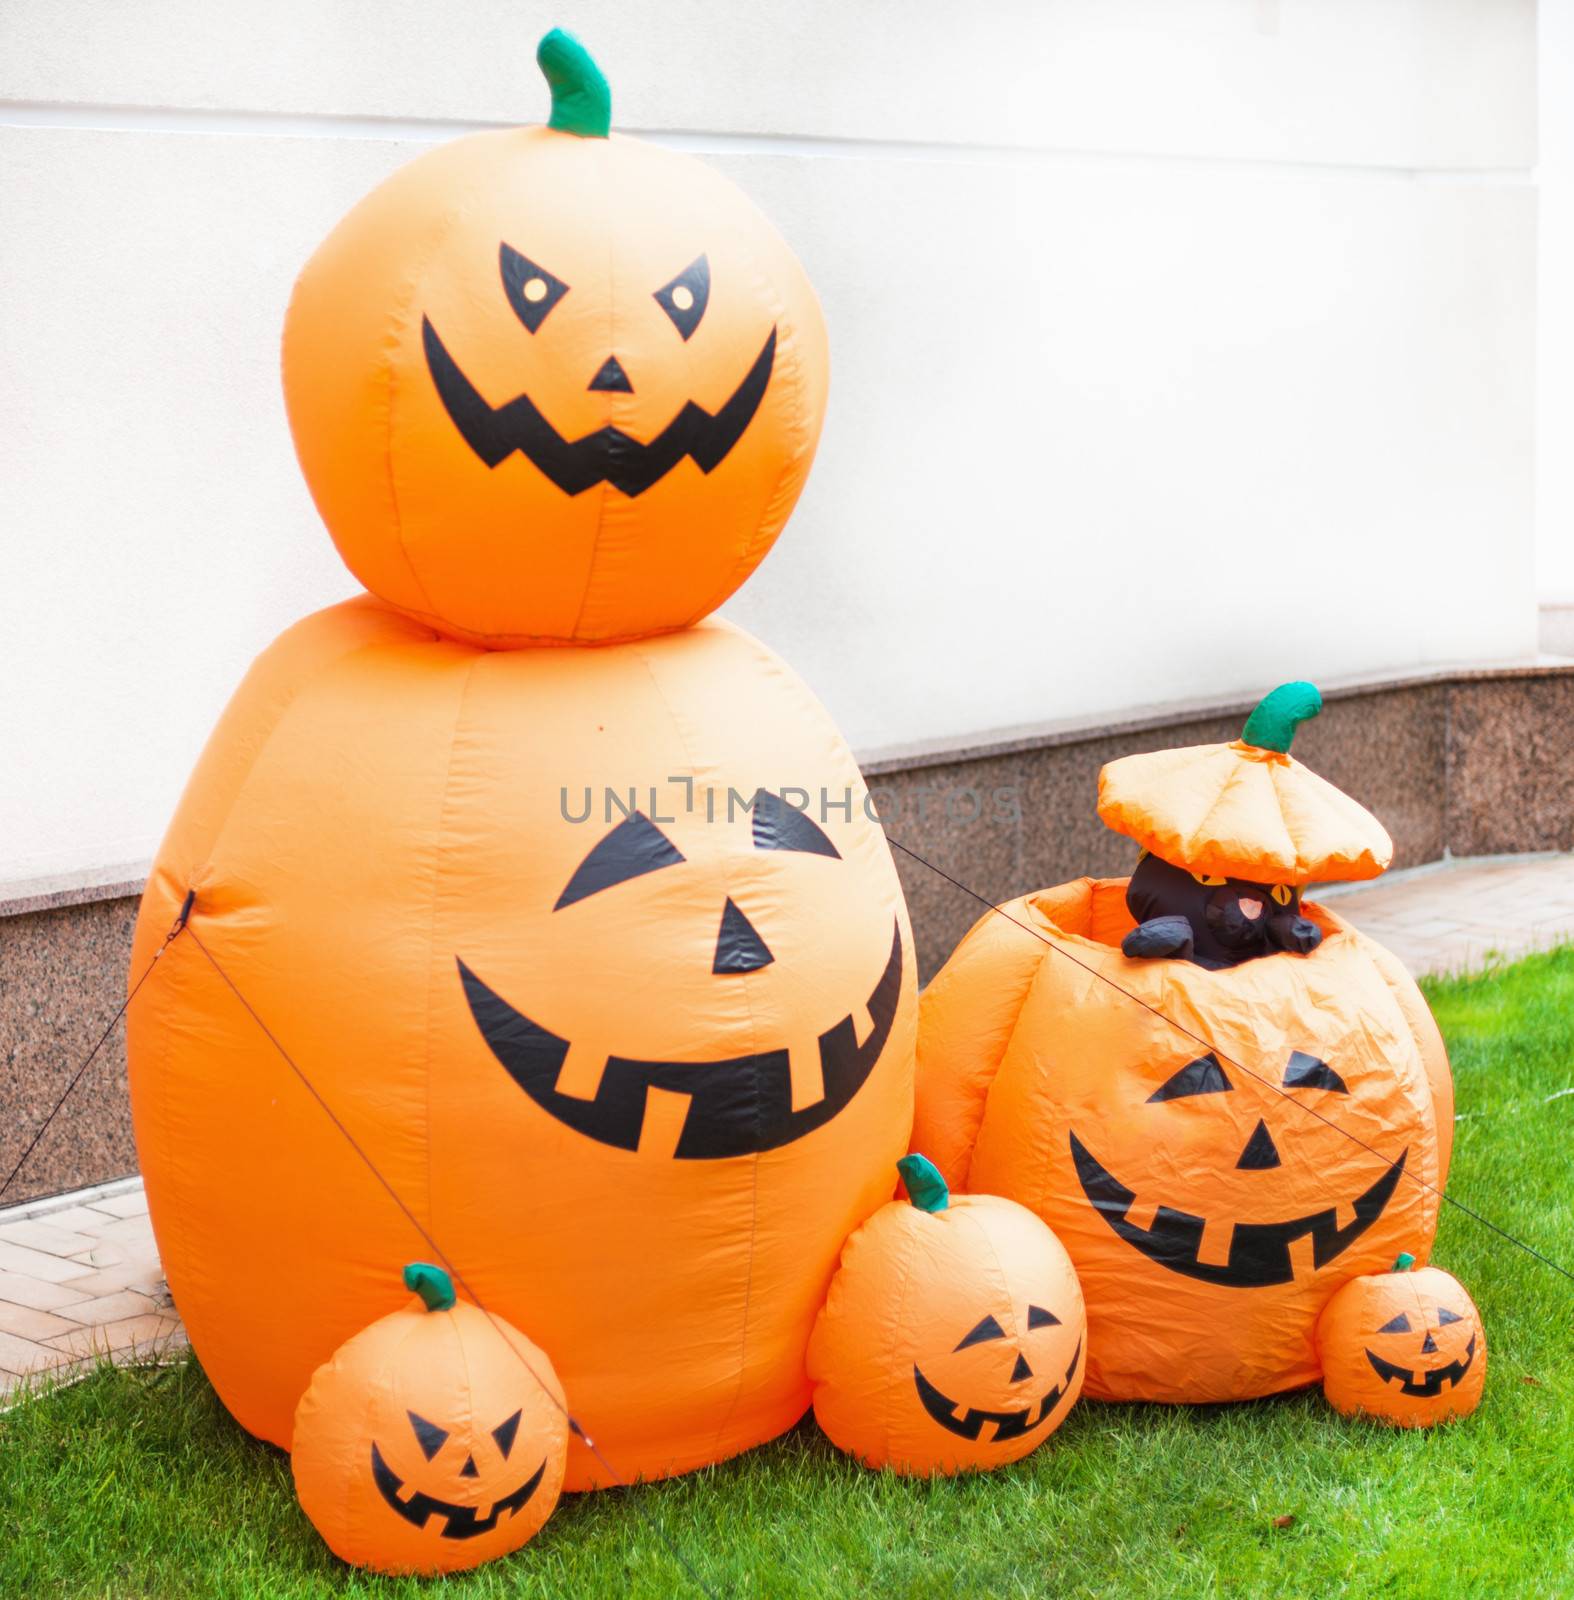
point(640, 1077)
point(427, 1444)
point(1210, 1214)
point(595, 953)
point(552, 384)
point(1247, 809)
point(953, 1335)
point(1405, 1347)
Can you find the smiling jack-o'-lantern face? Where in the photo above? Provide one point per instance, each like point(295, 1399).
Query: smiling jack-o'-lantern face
point(1213, 1190)
point(434, 1439)
point(718, 1106)
point(1405, 1346)
point(551, 385)
point(1260, 1241)
point(953, 1335)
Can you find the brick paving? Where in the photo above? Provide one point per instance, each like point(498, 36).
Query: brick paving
point(80, 1280)
point(80, 1277)
point(1458, 916)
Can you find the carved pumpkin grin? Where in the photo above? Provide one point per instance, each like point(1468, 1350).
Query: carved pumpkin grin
point(736, 1107)
point(608, 455)
point(463, 1522)
point(1008, 1424)
point(1431, 1383)
point(1259, 1251)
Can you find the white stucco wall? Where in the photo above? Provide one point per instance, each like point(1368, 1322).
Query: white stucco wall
point(1555, 319)
point(1179, 346)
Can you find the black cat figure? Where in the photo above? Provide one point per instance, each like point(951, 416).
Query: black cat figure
point(1211, 921)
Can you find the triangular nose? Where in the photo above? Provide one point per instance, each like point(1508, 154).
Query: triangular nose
point(738, 947)
point(1259, 1153)
point(1021, 1370)
point(1428, 1346)
point(611, 376)
point(469, 1469)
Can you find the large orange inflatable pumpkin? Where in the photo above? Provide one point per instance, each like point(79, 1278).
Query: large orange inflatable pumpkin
point(639, 1076)
point(596, 953)
point(1219, 1150)
point(555, 384)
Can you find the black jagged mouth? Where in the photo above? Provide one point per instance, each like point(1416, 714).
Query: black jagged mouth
point(1259, 1251)
point(737, 1107)
point(461, 1522)
point(1431, 1384)
point(608, 455)
point(969, 1424)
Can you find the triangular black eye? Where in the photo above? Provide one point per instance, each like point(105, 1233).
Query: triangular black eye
point(504, 1434)
point(633, 848)
point(685, 298)
point(532, 291)
point(1038, 1317)
point(987, 1329)
point(779, 826)
point(427, 1434)
point(1445, 1316)
point(1307, 1072)
point(1399, 1324)
point(1202, 1076)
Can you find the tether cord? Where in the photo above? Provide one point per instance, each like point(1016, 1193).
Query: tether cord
point(1241, 1066)
point(447, 1261)
point(176, 929)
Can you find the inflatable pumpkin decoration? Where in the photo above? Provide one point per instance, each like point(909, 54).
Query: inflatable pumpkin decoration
point(953, 1336)
point(1404, 1346)
point(595, 952)
point(1218, 1150)
point(433, 1440)
point(555, 384)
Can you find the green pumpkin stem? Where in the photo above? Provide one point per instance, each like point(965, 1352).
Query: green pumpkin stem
point(1279, 713)
point(925, 1187)
point(581, 100)
point(1404, 1262)
point(433, 1285)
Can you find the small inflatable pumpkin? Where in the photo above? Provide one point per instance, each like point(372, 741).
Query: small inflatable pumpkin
point(552, 384)
point(1215, 1181)
point(433, 1440)
point(1404, 1346)
point(953, 1336)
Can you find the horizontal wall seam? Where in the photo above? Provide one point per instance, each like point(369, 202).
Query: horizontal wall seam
point(208, 122)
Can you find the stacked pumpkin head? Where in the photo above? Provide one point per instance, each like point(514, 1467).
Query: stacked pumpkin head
point(550, 385)
point(1220, 1143)
point(599, 1003)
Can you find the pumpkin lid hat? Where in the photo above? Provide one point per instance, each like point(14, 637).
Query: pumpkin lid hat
point(1246, 809)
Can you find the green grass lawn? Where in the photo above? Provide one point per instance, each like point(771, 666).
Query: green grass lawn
point(138, 1483)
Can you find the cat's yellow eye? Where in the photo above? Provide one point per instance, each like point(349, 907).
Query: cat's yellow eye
point(1282, 894)
point(1207, 880)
